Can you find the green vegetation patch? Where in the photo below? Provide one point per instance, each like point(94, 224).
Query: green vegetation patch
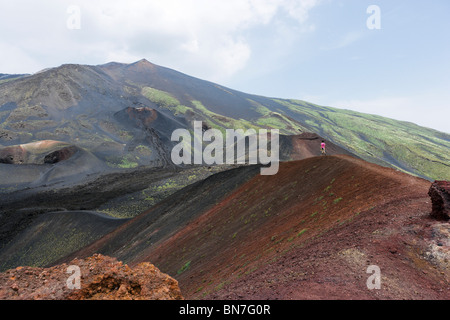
point(184, 267)
point(126, 162)
point(221, 122)
point(161, 98)
point(402, 145)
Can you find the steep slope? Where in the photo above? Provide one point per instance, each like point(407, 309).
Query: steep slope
point(77, 104)
point(41, 224)
point(20, 206)
point(401, 145)
point(54, 235)
point(153, 81)
point(316, 225)
point(9, 77)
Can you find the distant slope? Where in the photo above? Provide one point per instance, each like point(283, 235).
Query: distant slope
point(320, 220)
point(403, 145)
point(8, 77)
point(54, 235)
point(79, 104)
point(46, 163)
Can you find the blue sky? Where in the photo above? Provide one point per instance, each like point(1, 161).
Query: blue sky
point(316, 50)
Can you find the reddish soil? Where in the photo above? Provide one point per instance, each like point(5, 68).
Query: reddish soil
point(310, 232)
point(142, 115)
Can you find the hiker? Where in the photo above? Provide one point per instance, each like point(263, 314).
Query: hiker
point(322, 147)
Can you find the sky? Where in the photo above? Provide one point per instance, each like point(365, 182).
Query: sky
point(385, 57)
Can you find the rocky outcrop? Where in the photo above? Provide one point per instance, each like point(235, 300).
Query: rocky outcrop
point(100, 278)
point(440, 198)
point(142, 116)
point(40, 152)
point(13, 155)
point(60, 155)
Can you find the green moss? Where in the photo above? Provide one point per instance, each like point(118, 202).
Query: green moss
point(273, 122)
point(403, 145)
point(220, 122)
point(143, 150)
point(318, 199)
point(184, 268)
point(259, 108)
point(126, 162)
point(161, 98)
point(181, 109)
point(335, 201)
point(198, 105)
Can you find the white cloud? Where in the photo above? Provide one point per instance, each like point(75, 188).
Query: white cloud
point(299, 9)
point(12, 53)
point(207, 38)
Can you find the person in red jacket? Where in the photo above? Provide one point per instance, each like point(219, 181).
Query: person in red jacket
point(322, 147)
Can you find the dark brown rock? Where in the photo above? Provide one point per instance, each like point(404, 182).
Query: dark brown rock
point(13, 155)
point(440, 198)
point(60, 155)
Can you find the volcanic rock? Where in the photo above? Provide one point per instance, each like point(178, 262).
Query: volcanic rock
point(100, 278)
point(440, 198)
point(13, 155)
point(60, 155)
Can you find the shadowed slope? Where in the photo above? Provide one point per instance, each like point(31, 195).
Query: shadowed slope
point(227, 102)
point(45, 163)
point(54, 235)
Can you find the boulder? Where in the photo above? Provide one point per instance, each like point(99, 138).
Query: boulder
point(440, 198)
point(60, 155)
point(95, 278)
